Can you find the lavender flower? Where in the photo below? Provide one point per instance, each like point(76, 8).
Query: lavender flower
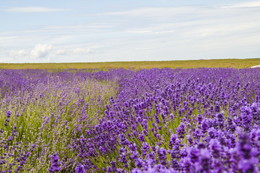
point(55, 163)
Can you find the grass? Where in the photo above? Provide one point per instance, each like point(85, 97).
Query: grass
point(51, 117)
point(136, 65)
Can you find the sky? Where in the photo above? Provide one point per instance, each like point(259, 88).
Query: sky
point(127, 30)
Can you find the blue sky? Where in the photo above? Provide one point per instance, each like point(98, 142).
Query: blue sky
point(128, 30)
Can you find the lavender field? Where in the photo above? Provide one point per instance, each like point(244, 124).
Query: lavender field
point(147, 121)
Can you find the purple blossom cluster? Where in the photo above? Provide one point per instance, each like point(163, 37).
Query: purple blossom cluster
point(164, 120)
point(55, 163)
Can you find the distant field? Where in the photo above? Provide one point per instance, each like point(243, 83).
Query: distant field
point(221, 63)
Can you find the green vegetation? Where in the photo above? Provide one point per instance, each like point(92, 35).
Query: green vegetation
point(213, 63)
point(45, 119)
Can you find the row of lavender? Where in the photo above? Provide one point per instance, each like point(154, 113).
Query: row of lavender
point(194, 120)
point(41, 113)
point(162, 120)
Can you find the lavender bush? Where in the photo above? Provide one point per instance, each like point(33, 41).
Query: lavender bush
point(41, 114)
point(195, 120)
point(157, 120)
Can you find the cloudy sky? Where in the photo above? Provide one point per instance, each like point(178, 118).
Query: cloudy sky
point(128, 30)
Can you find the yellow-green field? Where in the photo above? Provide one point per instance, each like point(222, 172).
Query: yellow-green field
point(216, 63)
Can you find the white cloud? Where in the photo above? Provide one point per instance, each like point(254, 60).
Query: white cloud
point(72, 51)
point(6, 38)
point(61, 52)
point(156, 11)
point(81, 50)
point(40, 51)
point(223, 28)
point(244, 5)
point(33, 9)
point(157, 28)
point(18, 53)
point(46, 53)
point(152, 30)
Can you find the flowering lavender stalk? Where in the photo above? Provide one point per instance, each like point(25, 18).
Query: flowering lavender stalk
point(55, 163)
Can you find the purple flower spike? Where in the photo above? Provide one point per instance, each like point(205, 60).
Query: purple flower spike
point(8, 114)
point(55, 164)
point(80, 169)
